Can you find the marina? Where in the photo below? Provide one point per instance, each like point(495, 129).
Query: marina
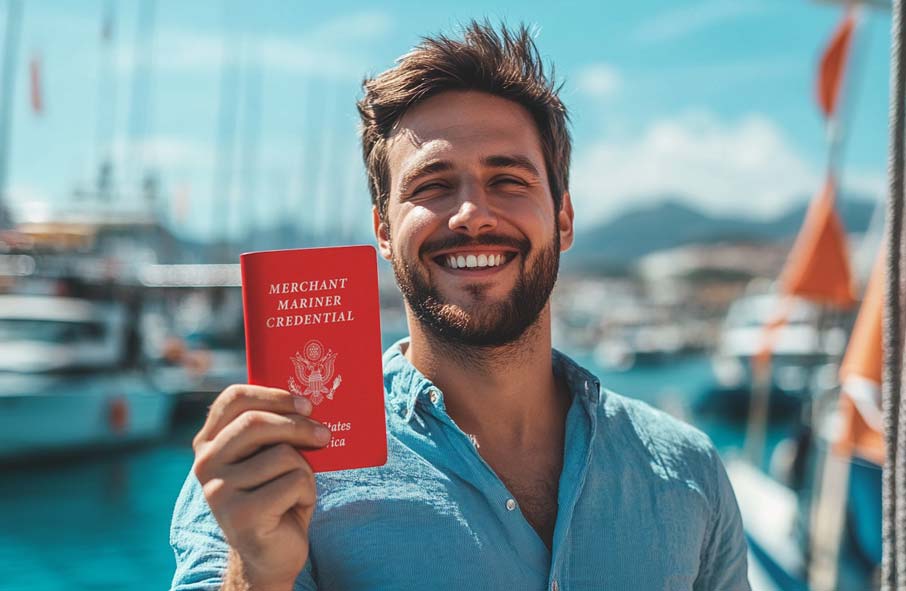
point(729, 269)
point(64, 522)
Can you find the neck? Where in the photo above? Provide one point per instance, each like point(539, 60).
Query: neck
point(505, 393)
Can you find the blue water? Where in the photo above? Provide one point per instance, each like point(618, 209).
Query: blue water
point(101, 522)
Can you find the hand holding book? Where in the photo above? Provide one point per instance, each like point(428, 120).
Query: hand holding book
point(314, 403)
point(259, 488)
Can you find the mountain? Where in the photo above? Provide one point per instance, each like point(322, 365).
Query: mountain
point(610, 246)
point(669, 223)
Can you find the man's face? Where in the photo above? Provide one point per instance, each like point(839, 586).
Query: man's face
point(470, 226)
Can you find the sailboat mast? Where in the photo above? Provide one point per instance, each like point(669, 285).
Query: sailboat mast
point(106, 102)
point(10, 60)
point(250, 199)
point(227, 111)
point(139, 110)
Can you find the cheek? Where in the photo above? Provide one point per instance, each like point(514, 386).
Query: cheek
point(411, 228)
point(534, 220)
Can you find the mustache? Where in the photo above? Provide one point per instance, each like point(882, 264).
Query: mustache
point(459, 241)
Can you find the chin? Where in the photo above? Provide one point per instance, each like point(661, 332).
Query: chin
point(462, 327)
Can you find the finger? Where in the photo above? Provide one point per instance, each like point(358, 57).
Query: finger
point(263, 467)
point(254, 429)
point(239, 398)
point(282, 494)
point(248, 433)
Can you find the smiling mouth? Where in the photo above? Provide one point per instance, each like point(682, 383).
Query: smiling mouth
point(474, 260)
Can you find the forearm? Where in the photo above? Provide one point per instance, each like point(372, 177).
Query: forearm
point(237, 578)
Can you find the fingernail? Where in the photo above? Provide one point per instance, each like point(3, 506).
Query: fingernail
point(303, 406)
point(322, 434)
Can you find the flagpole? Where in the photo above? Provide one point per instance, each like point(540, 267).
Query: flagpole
point(837, 124)
point(827, 499)
point(10, 61)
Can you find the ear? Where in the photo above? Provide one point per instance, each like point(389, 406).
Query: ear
point(381, 233)
point(565, 222)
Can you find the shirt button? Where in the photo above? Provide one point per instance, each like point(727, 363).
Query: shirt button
point(434, 395)
point(510, 505)
point(555, 586)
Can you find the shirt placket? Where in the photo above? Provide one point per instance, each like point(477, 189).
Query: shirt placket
point(495, 491)
point(581, 424)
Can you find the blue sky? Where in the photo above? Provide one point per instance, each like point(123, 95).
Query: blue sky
point(708, 100)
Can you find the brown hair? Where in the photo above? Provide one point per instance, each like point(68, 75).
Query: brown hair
point(506, 64)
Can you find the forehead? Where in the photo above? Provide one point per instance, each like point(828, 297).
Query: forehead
point(462, 127)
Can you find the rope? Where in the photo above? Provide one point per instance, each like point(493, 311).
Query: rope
point(893, 570)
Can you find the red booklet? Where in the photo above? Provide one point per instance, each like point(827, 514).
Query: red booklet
point(312, 326)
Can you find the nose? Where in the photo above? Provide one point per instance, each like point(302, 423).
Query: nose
point(473, 215)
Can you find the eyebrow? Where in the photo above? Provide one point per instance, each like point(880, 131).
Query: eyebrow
point(496, 161)
point(511, 161)
point(430, 167)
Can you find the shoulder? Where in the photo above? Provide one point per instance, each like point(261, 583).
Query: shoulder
point(632, 421)
point(658, 431)
point(665, 455)
point(661, 446)
point(646, 441)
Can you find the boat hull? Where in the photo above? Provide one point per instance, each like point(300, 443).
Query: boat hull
point(48, 415)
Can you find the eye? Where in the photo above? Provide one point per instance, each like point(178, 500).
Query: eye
point(429, 186)
point(508, 180)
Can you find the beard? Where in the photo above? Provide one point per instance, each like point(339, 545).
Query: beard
point(486, 324)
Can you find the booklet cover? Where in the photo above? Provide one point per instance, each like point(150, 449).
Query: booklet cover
point(312, 326)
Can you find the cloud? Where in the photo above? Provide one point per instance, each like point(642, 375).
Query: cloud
point(866, 183)
point(599, 81)
point(166, 152)
point(744, 166)
point(686, 20)
point(360, 27)
point(24, 193)
point(328, 50)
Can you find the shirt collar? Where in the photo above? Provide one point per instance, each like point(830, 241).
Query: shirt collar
point(406, 386)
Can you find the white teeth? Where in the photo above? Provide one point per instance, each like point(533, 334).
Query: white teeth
point(472, 261)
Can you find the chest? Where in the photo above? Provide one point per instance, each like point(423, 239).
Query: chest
point(427, 520)
point(417, 531)
point(534, 479)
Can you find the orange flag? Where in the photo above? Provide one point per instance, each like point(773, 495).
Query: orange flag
point(833, 65)
point(37, 102)
point(860, 376)
point(818, 267)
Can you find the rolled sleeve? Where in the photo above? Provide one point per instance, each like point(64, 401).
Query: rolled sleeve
point(200, 548)
point(197, 541)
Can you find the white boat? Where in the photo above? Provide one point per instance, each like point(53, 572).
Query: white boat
point(64, 386)
point(804, 354)
point(798, 343)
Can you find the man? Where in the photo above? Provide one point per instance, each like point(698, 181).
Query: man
point(509, 466)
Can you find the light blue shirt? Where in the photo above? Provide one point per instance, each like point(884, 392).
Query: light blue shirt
point(644, 504)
